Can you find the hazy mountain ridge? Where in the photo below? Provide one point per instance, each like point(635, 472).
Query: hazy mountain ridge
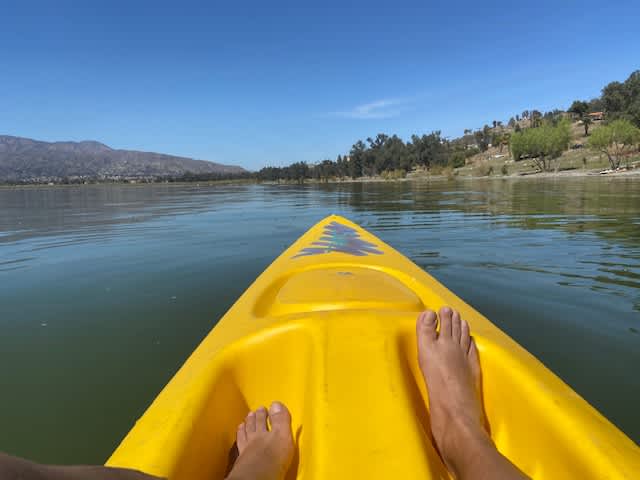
point(25, 159)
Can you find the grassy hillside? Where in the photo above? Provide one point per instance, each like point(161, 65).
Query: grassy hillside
point(500, 162)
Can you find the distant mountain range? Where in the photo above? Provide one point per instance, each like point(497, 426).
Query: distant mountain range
point(26, 160)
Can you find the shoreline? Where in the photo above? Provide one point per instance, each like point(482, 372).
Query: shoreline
point(376, 179)
point(565, 174)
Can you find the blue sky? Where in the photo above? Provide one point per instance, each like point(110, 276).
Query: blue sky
point(269, 83)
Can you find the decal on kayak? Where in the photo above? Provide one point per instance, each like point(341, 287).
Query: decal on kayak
point(337, 237)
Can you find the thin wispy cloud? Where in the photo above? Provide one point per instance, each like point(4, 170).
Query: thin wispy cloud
point(386, 108)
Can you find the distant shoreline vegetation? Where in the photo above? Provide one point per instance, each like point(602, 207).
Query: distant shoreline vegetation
point(541, 137)
point(610, 123)
point(187, 177)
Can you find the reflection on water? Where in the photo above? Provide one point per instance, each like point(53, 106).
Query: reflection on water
point(106, 289)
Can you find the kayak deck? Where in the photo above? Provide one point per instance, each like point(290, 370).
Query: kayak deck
point(329, 329)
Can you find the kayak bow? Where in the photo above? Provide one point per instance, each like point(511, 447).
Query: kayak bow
point(328, 329)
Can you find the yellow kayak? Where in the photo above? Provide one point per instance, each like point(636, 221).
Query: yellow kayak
point(328, 329)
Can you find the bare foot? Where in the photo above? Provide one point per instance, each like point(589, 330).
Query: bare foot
point(264, 454)
point(449, 362)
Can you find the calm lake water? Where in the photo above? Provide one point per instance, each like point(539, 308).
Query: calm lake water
point(105, 290)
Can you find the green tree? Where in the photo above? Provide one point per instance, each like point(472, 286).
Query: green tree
point(342, 167)
point(356, 159)
point(483, 138)
point(579, 108)
point(633, 89)
point(458, 159)
point(543, 144)
point(373, 159)
point(391, 155)
point(595, 105)
point(615, 140)
point(500, 140)
point(614, 98)
point(298, 171)
point(622, 100)
point(429, 150)
point(536, 118)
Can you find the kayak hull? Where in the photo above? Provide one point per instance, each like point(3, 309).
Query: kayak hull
point(329, 329)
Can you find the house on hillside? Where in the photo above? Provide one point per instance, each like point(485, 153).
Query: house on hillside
point(596, 116)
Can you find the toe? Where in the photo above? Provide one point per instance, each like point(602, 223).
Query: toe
point(261, 419)
point(426, 327)
point(456, 326)
point(465, 336)
point(250, 423)
point(445, 322)
point(241, 437)
point(280, 418)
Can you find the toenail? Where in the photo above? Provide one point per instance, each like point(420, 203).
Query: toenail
point(276, 407)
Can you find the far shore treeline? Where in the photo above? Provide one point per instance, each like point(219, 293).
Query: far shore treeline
point(539, 136)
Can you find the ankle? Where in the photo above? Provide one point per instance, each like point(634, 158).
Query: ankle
point(464, 442)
